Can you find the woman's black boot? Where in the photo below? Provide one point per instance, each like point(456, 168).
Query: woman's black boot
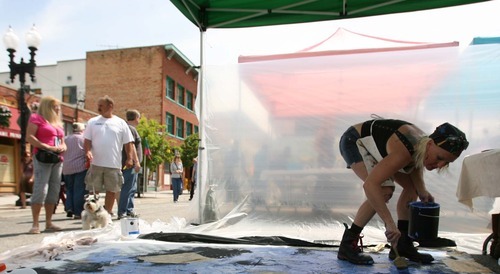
point(349, 249)
point(407, 249)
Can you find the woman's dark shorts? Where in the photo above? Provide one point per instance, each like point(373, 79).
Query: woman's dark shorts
point(348, 148)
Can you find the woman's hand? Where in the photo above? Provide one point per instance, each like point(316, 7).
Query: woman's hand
point(426, 197)
point(58, 149)
point(392, 234)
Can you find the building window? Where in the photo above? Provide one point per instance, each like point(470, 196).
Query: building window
point(180, 95)
point(189, 100)
point(69, 95)
point(189, 128)
point(170, 123)
point(179, 127)
point(170, 88)
point(195, 129)
point(166, 167)
point(68, 128)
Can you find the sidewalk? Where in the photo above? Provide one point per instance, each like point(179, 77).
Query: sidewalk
point(16, 222)
point(8, 199)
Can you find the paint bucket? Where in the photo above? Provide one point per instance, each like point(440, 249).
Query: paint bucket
point(424, 221)
point(130, 226)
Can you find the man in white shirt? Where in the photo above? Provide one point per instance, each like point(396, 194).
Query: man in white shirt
point(105, 136)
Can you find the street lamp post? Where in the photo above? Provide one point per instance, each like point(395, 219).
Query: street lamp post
point(77, 107)
point(11, 42)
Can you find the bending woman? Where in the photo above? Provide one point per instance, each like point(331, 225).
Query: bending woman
point(380, 152)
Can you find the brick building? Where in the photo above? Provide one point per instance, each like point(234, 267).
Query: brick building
point(158, 81)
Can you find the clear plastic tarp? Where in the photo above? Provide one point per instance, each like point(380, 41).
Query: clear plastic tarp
point(270, 159)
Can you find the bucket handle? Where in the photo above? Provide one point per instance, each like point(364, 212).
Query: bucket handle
point(429, 216)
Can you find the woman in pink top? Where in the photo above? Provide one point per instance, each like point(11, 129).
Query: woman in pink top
point(45, 131)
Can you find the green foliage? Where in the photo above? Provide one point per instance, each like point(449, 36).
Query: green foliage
point(190, 150)
point(5, 115)
point(161, 149)
point(151, 132)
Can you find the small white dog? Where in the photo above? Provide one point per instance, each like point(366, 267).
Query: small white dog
point(94, 215)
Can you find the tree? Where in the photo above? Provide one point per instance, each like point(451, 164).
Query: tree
point(189, 149)
point(161, 150)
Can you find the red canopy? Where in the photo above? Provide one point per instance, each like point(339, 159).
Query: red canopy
point(376, 75)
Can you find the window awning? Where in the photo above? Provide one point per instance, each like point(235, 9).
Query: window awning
point(13, 131)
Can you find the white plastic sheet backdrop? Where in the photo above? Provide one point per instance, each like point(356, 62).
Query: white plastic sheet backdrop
point(271, 163)
point(272, 167)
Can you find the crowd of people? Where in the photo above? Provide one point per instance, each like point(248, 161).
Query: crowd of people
point(69, 167)
point(103, 155)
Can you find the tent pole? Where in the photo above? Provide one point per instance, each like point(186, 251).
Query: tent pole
point(201, 144)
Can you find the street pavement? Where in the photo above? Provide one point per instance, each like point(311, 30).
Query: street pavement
point(152, 206)
point(16, 222)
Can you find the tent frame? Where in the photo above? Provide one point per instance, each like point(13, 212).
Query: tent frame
point(207, 14)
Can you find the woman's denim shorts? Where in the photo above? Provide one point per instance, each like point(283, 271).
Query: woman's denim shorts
point(348, 148)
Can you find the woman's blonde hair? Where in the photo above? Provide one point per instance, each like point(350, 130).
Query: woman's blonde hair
point(420, 151)
point(46, 110)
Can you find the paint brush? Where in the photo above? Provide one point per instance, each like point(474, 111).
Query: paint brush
point(399, 262)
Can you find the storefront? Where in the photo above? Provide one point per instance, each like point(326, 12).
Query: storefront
point(10, 135)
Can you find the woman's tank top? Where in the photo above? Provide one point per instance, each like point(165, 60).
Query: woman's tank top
point(382, 130)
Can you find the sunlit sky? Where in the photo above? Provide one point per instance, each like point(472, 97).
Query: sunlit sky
point(70, 28)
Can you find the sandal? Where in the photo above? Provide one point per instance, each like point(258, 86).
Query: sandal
point(34, 230)
point(52, 228)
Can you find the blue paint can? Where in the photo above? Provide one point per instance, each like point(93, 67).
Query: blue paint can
point(424, 221)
